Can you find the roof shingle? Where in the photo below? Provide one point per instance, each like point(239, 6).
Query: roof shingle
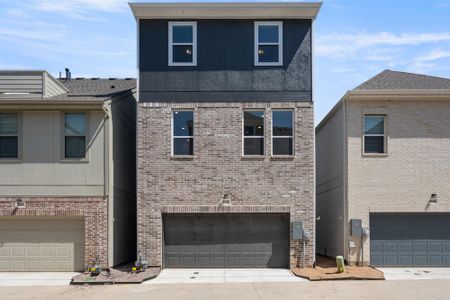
point(395, 80)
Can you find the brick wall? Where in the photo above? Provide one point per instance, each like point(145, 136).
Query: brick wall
point(264, 184)
point(417, 163)
point(92, 209)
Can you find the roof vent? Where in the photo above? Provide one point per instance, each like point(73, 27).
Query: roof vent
point(112, 78)
point(128, 78)
point(113, 86)
point(79, 78)
point(95, 78)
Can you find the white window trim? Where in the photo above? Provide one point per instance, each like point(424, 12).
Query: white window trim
point(374, 134)
point(279, 44)
point(17, 134)
point(253, 136)
point(283, 136)
point(86, 124)
point(173, 137)
point(194, 44)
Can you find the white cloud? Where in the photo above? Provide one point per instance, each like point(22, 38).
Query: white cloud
point(433, 55)
point(337, 44)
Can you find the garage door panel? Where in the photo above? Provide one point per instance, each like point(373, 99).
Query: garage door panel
point(227, 240)
point(42, 244)
point(416, 239)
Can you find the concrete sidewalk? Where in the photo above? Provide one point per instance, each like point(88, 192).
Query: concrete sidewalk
point(177, 276)
point(416, 273)
point(35, 278)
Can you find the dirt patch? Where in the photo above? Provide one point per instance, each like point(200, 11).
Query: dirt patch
point(326, 270)
point(117, 275)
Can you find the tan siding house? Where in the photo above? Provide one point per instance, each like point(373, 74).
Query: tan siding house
point(67, 171)
point(383, 157)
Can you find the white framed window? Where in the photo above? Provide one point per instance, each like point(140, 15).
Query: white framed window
point(253, 132)
point(9, 135)
point(182, 132)
point(74, 135)
point(182, 43)
point(268, 43)
point(374, 134)
point(282, 132)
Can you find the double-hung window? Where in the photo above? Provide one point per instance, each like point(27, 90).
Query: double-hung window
point(182, 43)
point(183, 132)
point(282, 132)
point(253, 132)
point(374, 134)
point(74, 135)
point(268, 43)
point(9, 137)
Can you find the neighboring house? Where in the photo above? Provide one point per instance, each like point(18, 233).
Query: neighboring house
point(383, 156)
point(225, 133)
point(67, 171)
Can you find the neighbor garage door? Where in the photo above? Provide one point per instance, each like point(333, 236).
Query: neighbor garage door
point(226, 240)
point(34, 244)
point(404, 240)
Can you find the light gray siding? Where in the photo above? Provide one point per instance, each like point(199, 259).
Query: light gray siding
point(24, 83)
point(330, 184)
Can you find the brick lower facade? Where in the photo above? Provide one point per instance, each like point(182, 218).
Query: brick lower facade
point(92, 209)
point(265, 184)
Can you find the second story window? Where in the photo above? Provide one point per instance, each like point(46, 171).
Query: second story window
point(374, 134)
point(282, 132)
point(253, 132)
point(183, 132)
point(268, 43)
point(9, 139)
point(182, 43)
point(74, 135)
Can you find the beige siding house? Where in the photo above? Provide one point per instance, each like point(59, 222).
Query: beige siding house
point(383, 157)
point(67, 171)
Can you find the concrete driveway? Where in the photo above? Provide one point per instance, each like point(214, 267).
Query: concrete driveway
point(35, 278)
point(415, 273)
point(176, 276)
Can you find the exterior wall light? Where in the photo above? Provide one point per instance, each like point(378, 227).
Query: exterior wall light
point(433, 198)
point(20, 203)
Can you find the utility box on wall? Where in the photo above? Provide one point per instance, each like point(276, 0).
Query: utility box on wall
point(297, 230)
point(356, 227)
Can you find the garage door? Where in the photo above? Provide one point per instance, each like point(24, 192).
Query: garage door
point(33, 244)
point(404, 240)
point(226, 240)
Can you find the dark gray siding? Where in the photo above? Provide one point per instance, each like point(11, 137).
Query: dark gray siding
point(225, 64)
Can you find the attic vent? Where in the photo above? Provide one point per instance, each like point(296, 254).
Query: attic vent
point(95, 78)
point(128, 78)
point(79, 78)
point(113, 86)
point(112, 78)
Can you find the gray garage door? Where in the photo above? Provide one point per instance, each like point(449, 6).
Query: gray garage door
point(41, 244)
point(404, 240)
point(226, 240)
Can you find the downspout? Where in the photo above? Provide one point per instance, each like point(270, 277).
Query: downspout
point(314, 146)
point(345, 179)
point(108, 179)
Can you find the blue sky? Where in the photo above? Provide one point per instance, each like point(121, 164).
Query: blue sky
point(354, 40)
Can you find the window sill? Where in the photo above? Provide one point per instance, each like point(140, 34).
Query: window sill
point(74, 161)
point(375, 155)
point(253, 157)
point(282, 157)
point(182, 157)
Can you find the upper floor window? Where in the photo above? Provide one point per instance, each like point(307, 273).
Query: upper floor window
point(253, 132)
point(182, 43)
point(183, 132)
point(9, 137)
point(268, 43)
point(374, 134)
point(74, 135)
point(282, 132)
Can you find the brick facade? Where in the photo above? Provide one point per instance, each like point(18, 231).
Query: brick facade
point(267, 184)
point(92, 209)
point(415, 166)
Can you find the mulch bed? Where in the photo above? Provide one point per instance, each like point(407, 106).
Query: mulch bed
point(117, 275)
point(326, 270)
